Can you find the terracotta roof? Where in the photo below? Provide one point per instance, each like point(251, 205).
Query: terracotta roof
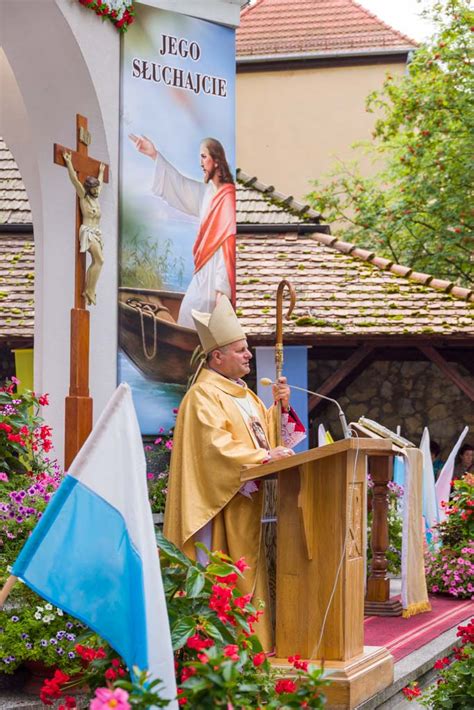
point(17, 271)
point(276, 27)
point(262, 204)
point(14, 205)
point(339, 294)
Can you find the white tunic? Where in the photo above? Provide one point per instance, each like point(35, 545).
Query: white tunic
point(193, 198)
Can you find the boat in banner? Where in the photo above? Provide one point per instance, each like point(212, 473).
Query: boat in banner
point(151, 337)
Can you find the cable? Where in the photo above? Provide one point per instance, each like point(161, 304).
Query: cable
point(344, 548)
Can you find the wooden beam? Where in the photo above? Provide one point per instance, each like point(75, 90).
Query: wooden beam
point(447, 369)
point(346, 369)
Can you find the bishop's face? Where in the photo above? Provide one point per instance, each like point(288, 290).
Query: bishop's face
point(208, 165)
point(234, 360)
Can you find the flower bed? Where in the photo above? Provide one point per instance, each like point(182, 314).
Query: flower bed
point(454, 688)
point(449, 565)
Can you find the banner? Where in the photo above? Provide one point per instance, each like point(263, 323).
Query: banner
point(177, 199)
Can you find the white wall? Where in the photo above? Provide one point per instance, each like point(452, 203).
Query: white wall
point(58, 59)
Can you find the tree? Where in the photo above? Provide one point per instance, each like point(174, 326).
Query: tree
point(418, 208)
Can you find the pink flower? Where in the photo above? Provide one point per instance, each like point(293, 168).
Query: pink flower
point(147, 448)
point(15, 380)
point(169, 445)
point(231, 651)
point(3, 476)
point(106, 698)
point(158, 441)
point(149, 476)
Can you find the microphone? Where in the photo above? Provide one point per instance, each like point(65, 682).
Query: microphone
point(345, 428)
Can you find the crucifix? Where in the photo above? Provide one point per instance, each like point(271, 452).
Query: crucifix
point(78, 410)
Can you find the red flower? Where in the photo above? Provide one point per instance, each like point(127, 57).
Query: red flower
point(411, 693)
point(182, 700)
point(16, 438)
point(285, 686)
point(5, 427)
point(198, 643)
point(231, 651)
point(258, 659)
point(242, 565)
point(110, 674)
point(441, 663)
point(228, 579)
point(43, 400)
point(70, 701)
point(187, 672)
point(242, 602)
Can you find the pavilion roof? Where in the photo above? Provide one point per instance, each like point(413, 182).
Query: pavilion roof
point(17, 271)
point(14, 205)
point(343, 290)
point(262, 204)
point(324, 27)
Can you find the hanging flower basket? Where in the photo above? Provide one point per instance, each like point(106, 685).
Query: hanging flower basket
point(120, 12)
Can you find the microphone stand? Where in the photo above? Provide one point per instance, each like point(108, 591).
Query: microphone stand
point(342, 417)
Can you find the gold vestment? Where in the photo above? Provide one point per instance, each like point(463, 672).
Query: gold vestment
point(211, 444)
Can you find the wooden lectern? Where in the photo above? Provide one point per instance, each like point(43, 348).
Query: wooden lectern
point(322, 496)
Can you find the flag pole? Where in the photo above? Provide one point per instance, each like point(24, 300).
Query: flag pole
point(7, 587)
point(279, 339)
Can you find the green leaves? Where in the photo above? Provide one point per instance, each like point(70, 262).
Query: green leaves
point(181, 631)
point(195, 581)
point(417, 209)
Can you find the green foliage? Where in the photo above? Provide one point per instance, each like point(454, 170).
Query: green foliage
point(24, 439)
point(449, 567)
point(37, 632)
point(417, 209)
point(454, 690)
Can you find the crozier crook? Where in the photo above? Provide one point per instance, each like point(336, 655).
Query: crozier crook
point(279, 339)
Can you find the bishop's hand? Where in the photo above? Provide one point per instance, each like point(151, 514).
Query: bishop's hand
point(280, 452)
point(281, 393)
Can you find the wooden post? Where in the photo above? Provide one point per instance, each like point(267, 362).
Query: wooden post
point(377, 599)
point(78, 410)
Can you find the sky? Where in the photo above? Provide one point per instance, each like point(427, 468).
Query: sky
point(402, 15)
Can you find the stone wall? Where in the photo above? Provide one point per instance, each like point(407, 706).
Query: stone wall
point(410, 394)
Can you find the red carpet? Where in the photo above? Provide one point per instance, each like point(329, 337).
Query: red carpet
point(403, 636)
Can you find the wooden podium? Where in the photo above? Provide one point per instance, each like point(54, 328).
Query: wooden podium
point(321, 497)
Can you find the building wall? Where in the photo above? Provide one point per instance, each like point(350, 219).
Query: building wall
point(292, 125)
point(410, 394)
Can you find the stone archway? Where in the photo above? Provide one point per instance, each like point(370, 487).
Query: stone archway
point(49, 52)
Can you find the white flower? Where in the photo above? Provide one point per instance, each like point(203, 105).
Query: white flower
point(59, 612)
point(39, 608)
point(49, 607)
point(37, 615)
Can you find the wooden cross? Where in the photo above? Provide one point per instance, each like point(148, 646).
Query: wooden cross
point(78, 414)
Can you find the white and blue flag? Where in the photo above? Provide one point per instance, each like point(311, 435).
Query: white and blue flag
point(93, 553)
point(443, 484)
point(430, 505)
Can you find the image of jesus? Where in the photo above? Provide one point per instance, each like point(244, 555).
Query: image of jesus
point(213, 202)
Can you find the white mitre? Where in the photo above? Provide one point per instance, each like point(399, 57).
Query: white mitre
point(218, 328)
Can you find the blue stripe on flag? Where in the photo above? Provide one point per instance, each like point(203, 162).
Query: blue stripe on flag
point(81, 559)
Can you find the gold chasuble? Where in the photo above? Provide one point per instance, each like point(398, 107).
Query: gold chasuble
point(212, 443)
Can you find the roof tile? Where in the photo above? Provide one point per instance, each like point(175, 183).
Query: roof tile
point(272, 27)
